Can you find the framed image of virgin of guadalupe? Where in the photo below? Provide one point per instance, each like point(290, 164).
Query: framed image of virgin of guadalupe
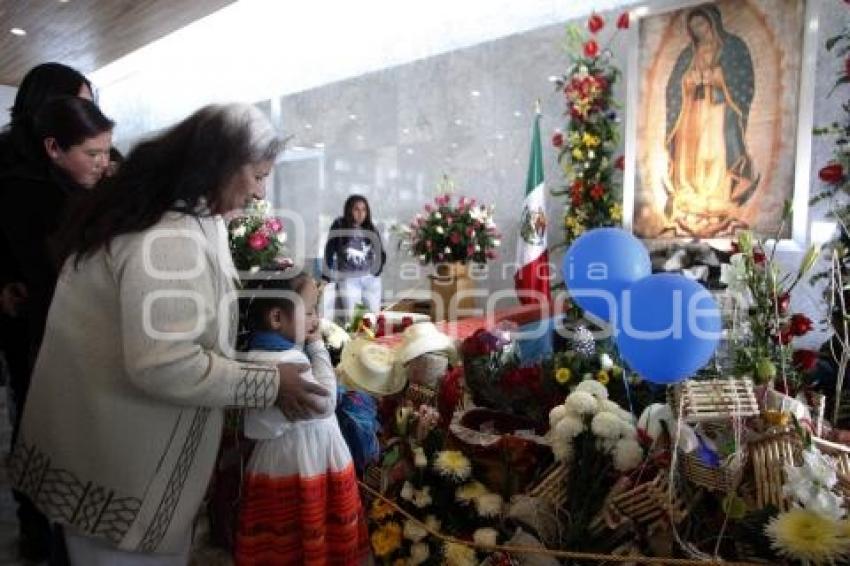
point(719, 105)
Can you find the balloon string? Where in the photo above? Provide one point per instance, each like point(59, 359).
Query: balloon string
point(628, 391)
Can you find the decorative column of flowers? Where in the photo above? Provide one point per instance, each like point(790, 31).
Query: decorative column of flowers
point(447, 232)
point(257, 239)
point(591, 136)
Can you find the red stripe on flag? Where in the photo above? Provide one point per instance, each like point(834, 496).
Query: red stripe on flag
point(534, 276)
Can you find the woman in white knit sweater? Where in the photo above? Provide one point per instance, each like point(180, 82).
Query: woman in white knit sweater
point(124, 418)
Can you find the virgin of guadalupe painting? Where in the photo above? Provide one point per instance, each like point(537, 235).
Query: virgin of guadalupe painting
point(712, 79)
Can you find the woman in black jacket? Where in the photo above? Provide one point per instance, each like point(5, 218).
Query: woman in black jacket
point(355, 257)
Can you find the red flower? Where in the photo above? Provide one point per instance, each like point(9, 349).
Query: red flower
point(623, 21)
point(595, 23)
point(591, 49)
point(491, 254)
point(455, 238)
point(784, 337)
point(449, 219)
point(597, 192)
point(428, 208)
point(450, 394)
point(470, 249)
point(805, 360)
point(470, 231)
point(759, 257)
point(833, 173)
point(527, 378)
point(801, 325)
point(558, 139)
point(736, 249)
point(258, 241)
point(620, 162)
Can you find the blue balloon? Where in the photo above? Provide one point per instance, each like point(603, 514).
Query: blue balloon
point(669, 328)
point(599, 265)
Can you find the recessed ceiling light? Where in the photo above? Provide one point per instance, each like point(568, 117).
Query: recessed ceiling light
point(18, 31)
point(405, 131)
point(352, 116)
point(308, 126)
point(553, 78)
point(320, 145)
point(475, 93)
point(409, 151)
point(458, 122)
point(641, 11)
point(517, 113)
point(360, 137)
point(298, 148)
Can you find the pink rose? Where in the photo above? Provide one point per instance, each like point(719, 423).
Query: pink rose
point(274, 225)
point(470, 231)
point(258, 241)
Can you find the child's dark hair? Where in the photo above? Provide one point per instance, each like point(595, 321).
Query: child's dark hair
point(259, 306)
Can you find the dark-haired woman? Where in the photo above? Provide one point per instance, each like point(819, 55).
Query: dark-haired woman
point(124, 417)
point(355, 257)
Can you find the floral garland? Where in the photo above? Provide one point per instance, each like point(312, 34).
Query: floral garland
point(587, 146)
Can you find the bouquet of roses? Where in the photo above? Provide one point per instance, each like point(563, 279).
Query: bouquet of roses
point(257, 239)
point(445, 232)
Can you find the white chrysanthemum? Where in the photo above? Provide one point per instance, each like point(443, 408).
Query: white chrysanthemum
point(609, 406)
point(593, 387)
point(556, 414)
point(605, 361)
point(254, 269)
point(281, 237)
point(422, 497)
point(437, 216)
point(419, 458)
point(563, 451)
point(439, 230)
point(423, 257)
point(581, 403)
point(489, 505)
point(606, 425)
point(485, 536)
point(419, 553)
point(469, 491)
point(568, 428)
point(627, 455)
point(606, 445)
point(238, 232)
point(627, 430)
point(414, 531)
point(447, 249)
point(407, 491)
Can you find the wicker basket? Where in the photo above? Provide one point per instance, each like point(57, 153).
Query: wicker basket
point(714, 399)
point(769, 456)
point(724, 478)
point(648, 502)
point(552, 486)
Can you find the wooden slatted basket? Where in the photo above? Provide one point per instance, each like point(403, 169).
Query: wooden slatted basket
point(649, 502)
point(724, 478)
point(769, 456)
point(714, 399)
point(552, 486)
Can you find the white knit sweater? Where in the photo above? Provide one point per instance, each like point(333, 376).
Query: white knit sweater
point(123, 419)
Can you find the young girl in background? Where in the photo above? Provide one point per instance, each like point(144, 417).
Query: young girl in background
point(301, 503)
point(355, 257)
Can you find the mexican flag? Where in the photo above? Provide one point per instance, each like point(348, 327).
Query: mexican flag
point(532, 257)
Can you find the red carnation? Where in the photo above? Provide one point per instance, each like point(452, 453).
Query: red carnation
point(759, 257)
point(595, 23)
point(784, 337)
point(801, 325)
point(591, 49)
point(258, 241)
point(597, 192)
point(620, 163)
point(623, 21)
point(833, 173)
point(450, 394)
point(805, 360)
point(558, 139)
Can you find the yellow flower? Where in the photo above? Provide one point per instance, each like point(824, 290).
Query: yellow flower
point(381, 510)
point(459, 555)
point(590, 140)
point(469, 491)
point(807, 536)
point(387, 539)
point(577, 154)
point(453, 464)
point(603, 377)
point(615, 212)
point(563, 375)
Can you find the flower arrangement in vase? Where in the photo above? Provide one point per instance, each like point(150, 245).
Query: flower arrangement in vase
point(257, 239)
point(449, 232)
point(587, 145)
